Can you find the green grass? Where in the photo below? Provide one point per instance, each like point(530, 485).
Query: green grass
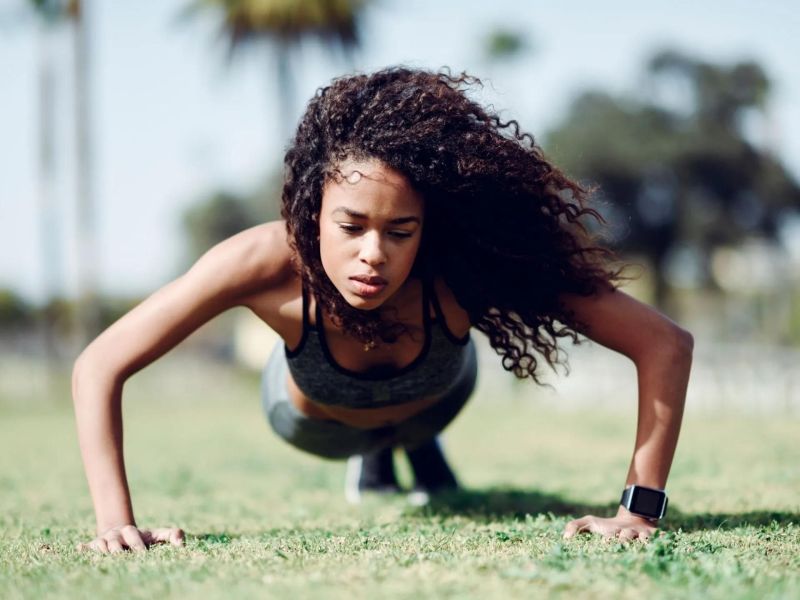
point(263, 519)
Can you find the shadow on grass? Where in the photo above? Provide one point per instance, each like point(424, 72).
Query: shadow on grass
point(495, 503)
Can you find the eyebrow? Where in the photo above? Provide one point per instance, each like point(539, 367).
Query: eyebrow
point(357, 215)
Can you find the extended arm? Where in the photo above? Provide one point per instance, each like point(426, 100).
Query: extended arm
point(662, 353)
point(218, 281)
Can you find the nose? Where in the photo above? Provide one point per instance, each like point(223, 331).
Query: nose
point(371, 251)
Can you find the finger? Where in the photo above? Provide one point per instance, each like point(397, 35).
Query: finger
point(572, 528)
point(609, 532)
point(172, 535)
point(644, 536)
point(577, 526)
point(176, 536)
point(627, 534)
point(99, 545)
point(133, 538)
point(114, 545)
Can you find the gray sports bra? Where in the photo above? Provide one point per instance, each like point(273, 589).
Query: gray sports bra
point(438, 368)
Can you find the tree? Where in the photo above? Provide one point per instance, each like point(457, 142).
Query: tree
point(51, 14)
point(502, 44)
point(673, 164)
point(224, 213)
point(48, 15)
point(282, 25)
point(88, 302)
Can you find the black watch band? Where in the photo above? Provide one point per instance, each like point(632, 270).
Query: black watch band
point(646, 502)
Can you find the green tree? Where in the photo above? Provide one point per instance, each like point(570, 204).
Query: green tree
point(674, 165)
point(51, 14)
point(282, 25)
point(503, 44)
point(224, 213)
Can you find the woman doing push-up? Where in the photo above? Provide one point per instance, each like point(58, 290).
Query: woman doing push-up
point(411, 216)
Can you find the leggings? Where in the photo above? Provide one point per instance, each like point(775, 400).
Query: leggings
point(334, 440)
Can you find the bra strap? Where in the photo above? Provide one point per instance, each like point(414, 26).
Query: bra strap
point(306, 320)
point(428, 295)
point(437, 308)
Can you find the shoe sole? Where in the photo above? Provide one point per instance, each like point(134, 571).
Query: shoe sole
point(351, 476)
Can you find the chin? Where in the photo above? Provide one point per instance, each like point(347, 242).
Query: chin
point(363, 303)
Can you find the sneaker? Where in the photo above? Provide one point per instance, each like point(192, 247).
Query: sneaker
point(372, 473)
point(432, 474)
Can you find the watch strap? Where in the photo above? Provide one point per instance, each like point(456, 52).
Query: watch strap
point(626, 501)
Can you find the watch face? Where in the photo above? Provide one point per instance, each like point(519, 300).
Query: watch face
point(647, 502)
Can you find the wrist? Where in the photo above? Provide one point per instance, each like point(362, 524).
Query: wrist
point(645, 502)
point(103, 528)
point(623, 512)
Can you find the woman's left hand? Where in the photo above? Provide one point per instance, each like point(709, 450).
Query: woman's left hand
point(625, 526)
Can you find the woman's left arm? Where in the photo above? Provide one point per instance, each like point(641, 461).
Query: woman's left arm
point(662, 353)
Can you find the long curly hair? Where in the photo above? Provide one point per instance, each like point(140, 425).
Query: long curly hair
point(504, 228)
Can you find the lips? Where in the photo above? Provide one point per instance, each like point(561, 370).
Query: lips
point(368, 286)
point(370, 280)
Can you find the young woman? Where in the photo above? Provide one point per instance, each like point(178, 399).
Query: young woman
point(410, 216)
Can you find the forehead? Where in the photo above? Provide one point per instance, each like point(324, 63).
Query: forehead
point(371, 188)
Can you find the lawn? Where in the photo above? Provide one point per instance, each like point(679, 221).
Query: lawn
point(263, 519)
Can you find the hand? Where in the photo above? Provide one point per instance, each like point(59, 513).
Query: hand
point(625, 526)
point(129, 537)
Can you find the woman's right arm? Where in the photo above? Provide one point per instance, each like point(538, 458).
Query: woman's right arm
point(256, 259)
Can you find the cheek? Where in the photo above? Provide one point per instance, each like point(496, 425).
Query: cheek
point(332, 253)
point(411, 254)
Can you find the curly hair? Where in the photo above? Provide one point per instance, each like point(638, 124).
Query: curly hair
point(505, 229)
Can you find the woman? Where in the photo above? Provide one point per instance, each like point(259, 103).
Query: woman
point(411, 215)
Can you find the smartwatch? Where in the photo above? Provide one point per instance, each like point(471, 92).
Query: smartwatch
point(646, 502)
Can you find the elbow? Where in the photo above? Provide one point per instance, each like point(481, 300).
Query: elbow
point(669, 346)
point(684, 342)
point(80, 371)
point(90, 370)
point(679, 346)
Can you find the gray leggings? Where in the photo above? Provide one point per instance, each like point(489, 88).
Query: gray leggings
point(331, 439)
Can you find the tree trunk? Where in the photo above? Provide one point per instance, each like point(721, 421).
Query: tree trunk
point(285, 91)
point(87, 313)
point(49, 233)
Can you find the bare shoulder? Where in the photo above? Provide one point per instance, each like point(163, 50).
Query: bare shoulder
point(456, 317)
point(255, 259)
point(268, 278)
point(258, 258)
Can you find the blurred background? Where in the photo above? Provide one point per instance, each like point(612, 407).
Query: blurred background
point(137, 135)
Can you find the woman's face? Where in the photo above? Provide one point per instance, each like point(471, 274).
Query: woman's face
point(370, 227)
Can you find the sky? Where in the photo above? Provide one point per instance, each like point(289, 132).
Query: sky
point(173, 120)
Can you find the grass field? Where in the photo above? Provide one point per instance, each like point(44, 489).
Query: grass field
point(265, 520)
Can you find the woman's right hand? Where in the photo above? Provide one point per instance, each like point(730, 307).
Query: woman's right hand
point(129, 537)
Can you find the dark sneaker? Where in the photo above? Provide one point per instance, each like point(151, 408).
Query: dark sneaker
point(371, 473)
point(432, 474)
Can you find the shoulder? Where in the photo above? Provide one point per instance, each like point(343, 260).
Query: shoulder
point(255, 259)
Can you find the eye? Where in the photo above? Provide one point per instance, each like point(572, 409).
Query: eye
point(348, 228)
point(401, 234)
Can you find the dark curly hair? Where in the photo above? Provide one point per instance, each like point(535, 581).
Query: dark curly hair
point(504, 228)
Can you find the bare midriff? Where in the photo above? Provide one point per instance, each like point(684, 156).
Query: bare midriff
point(362, 418)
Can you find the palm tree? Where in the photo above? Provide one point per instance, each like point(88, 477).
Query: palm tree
point(88, 309)
point(51, 14)
point(48, 15)
point(282, 25)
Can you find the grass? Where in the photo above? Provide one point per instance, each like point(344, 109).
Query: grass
point(263, 519)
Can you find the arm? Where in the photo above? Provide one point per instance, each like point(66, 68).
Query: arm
point(254, 259)
point(662, 353)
